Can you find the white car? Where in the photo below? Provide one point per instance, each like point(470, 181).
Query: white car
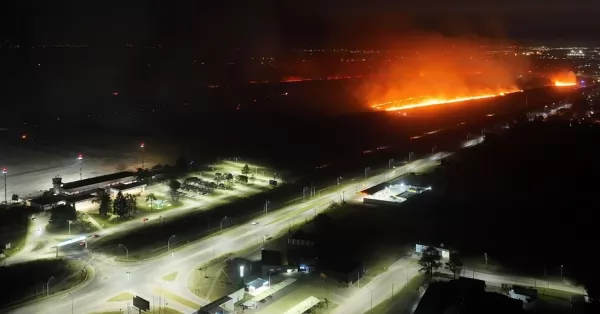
point(254, 223)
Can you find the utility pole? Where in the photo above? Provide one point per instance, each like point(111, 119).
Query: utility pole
point(266, 207)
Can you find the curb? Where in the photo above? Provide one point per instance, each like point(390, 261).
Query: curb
point(88, 278)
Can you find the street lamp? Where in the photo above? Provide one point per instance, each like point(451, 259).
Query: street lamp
point(71, 296)
point(48, 286)
point(338, 180)
point(411, 154)
point(561, 271)
point(80, 158)
point(69, 222)
point(390, 163)
point(142, 147)
point(366, 169)
point(222, 222)
point(168, 242)
point(4, 172)
point(126, 250)
point(267, 206)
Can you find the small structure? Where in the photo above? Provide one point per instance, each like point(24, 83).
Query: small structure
point(526, 295)
point(272, 262)
point(256, 286)
point(268, 292)
point(391, 193)
point(419, 248)
point(217, 306)
point(304, 306)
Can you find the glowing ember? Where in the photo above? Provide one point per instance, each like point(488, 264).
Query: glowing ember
point(416, 102)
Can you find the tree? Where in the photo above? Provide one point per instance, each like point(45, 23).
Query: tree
point(15, 197)
point(455, 264)
point(103, 198)
point(242, 179)
point(228, 177)
point(174, 187)
point(430, 261)
point(246, 170)
point(219, 177)
point(120, 205)
point(62, 213)
point(131, 204)
point(151, 198)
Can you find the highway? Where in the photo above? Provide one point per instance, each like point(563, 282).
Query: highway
point(144, 278)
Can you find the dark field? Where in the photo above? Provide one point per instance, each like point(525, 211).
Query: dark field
point(514, 197)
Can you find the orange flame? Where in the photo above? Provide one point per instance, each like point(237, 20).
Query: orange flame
point(426, 101)
point(564, 79)
point(437, 71)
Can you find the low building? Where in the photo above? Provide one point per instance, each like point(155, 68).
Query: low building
point(90, 184)
point(344, 272)
point(128, 188)
point(272, 262)
point(445, 253)
point(301, 238)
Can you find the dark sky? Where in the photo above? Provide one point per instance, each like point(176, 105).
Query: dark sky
point(283, 23)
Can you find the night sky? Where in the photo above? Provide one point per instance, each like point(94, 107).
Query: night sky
point(282, 23)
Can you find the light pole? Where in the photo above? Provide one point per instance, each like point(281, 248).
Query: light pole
point(69, 222)
point(48, 286)
point(80, 158)
point(561, 271)
point(410, 155)
point(366, 169)
point(390, 163)
point(126, 250)
point(142, 148)
point(338, 180)
point(72, 306)
point(433, 149)
point(169, 243)
point(267, 207)
point(4, 172)
point(222, 222)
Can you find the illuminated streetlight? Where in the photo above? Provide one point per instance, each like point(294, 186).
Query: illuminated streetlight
point(142, 148)
point(168, 242)
point(48, 286)
point(80, 158)
point(4, 172)
point(126, 250)
point(242, 271)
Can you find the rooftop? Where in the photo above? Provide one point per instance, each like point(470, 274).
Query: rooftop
point(123, 187)
point(214, 306)
point(96, 180)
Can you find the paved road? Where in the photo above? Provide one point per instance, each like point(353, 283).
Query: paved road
point(144, 278)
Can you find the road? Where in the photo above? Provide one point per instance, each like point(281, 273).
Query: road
point(144, 278)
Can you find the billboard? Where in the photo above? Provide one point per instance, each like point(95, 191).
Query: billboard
point(141, 304)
